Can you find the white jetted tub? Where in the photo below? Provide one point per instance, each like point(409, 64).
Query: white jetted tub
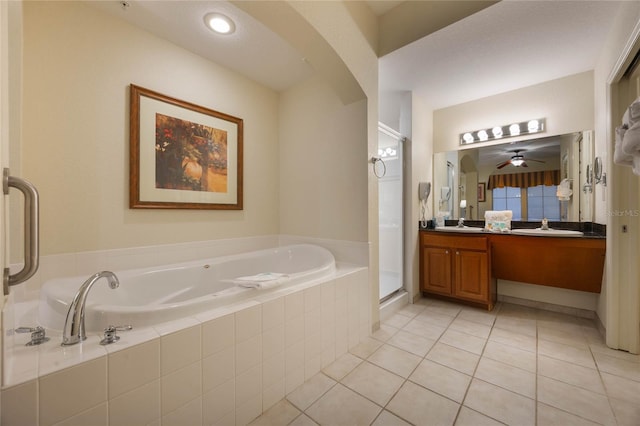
point(154, 295)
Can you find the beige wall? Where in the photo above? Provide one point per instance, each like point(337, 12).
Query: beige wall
point(323, 172)
point(78, 64)
point(566, 103)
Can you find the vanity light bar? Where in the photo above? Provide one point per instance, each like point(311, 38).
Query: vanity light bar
point(507, 131)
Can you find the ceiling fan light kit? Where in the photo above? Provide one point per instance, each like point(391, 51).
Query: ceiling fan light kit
point(517, 160)
point(522, 128)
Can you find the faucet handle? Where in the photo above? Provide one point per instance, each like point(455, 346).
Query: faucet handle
point(110, 333)
point(38, 334)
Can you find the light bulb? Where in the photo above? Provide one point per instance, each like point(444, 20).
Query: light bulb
point(514, 129)
point(219, 23)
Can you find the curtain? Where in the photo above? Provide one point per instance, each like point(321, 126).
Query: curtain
point(524, 180)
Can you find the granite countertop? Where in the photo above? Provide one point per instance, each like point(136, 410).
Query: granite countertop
point(589, 229)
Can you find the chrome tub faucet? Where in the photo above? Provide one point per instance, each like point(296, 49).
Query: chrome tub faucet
point(74, 330)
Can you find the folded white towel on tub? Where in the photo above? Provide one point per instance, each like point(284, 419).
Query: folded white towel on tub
point(263, 280)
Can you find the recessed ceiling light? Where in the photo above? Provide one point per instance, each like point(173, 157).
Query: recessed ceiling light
point(219, 23)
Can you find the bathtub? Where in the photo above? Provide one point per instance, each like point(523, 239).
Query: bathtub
point(151, 296)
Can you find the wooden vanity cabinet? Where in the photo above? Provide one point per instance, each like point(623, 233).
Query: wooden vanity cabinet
point(457, 266)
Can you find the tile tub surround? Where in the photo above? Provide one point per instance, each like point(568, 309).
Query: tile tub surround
point(533, 367)
point(220, 367)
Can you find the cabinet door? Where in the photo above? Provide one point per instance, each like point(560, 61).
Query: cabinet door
point(471, 275)
point(436, 274)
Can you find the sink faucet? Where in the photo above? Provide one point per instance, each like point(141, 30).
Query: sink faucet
point(461, 222)
point(74, 331)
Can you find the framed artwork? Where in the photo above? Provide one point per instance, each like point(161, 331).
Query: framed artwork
point(482, 192)
point(183, 156)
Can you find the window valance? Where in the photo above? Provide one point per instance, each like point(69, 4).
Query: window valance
point(524, 180)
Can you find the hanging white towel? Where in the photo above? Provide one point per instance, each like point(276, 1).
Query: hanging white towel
point(619, 156)
point(631, 138)
point(262, 281)
point(564, 190)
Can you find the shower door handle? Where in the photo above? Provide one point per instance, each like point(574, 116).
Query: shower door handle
point(31, 230)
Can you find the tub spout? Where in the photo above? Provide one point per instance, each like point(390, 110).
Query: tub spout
point(74, 331)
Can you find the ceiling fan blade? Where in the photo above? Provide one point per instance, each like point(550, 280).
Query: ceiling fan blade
point(537, 161)
point(524, 164)
point(501, 165)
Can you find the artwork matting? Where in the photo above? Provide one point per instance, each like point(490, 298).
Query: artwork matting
point(182, 155)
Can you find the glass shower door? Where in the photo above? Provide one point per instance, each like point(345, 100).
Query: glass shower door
point(390, 211)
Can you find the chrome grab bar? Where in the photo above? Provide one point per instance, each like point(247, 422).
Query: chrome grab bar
point(31, 231)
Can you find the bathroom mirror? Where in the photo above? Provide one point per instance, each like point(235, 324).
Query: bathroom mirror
point(526, 175)
point(597, 169)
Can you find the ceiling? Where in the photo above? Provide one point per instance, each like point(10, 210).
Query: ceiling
point(505, 46)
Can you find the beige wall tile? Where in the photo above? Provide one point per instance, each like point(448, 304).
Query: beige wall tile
point(219, 404)
point(189, 414)
point(248, 354)
point(20, 404)
point(71, 391)
point(248, 385)
point(180, 349)
point(133, 367)
point(218, 334)
point(273, 341)
point(272, 313)
point(293, 305)
point(218, 369)
point(96, 416)
point(248, 323)
point(137, 407)
point(181, 386)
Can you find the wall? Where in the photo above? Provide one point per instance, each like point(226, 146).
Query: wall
point(568, 106)
point(78, 64)
point(566, 103)
point(619, 304)
point(323, 175)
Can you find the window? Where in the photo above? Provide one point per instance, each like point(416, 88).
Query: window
point(534, 203)
point(508, 198)
point(542, 202)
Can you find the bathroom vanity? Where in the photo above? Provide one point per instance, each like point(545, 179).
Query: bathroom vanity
point(466, 266)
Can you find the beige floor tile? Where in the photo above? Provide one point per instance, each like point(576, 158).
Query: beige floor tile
point(602, 348)
point(420, 406)
point(342, 406)
point(510, 355)
point(575, 400)
point(621, 388)
point(397, 320)
point(468, 417)
point(517, 311)
point(373, 382)
point(479, 316)
point(567, 353)
point(627, 414)
point(470, 327)
point(411, 310)
point(301, 420)
point(417, 345)
point(514, 339)
point(424, 329)
point(366, 347)
point(446, 308)
point(618, 367)
point(441, 379)
point(572, 338)
point(571, 373)
point(388, 419)
point(384, 333)
point(305, 395)
point(463, 341)
point(551, 416)
point(508, 377)
point(500, 404)
point(455, 358)
point(280, 414)
point(342, 366)
point(434, 318)
point(395, 360)
point(525, 326)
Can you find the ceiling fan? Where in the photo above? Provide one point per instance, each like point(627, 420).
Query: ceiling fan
point(517, 160)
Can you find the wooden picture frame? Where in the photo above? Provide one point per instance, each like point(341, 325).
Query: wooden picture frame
point(183, 156)
point(482, 192)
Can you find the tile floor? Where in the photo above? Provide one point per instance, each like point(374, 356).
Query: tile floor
point(439, 363)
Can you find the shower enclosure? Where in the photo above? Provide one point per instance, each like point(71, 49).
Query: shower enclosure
point(390, 210)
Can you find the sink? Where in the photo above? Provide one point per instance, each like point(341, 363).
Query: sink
point(453, 228)
point(547, 233)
